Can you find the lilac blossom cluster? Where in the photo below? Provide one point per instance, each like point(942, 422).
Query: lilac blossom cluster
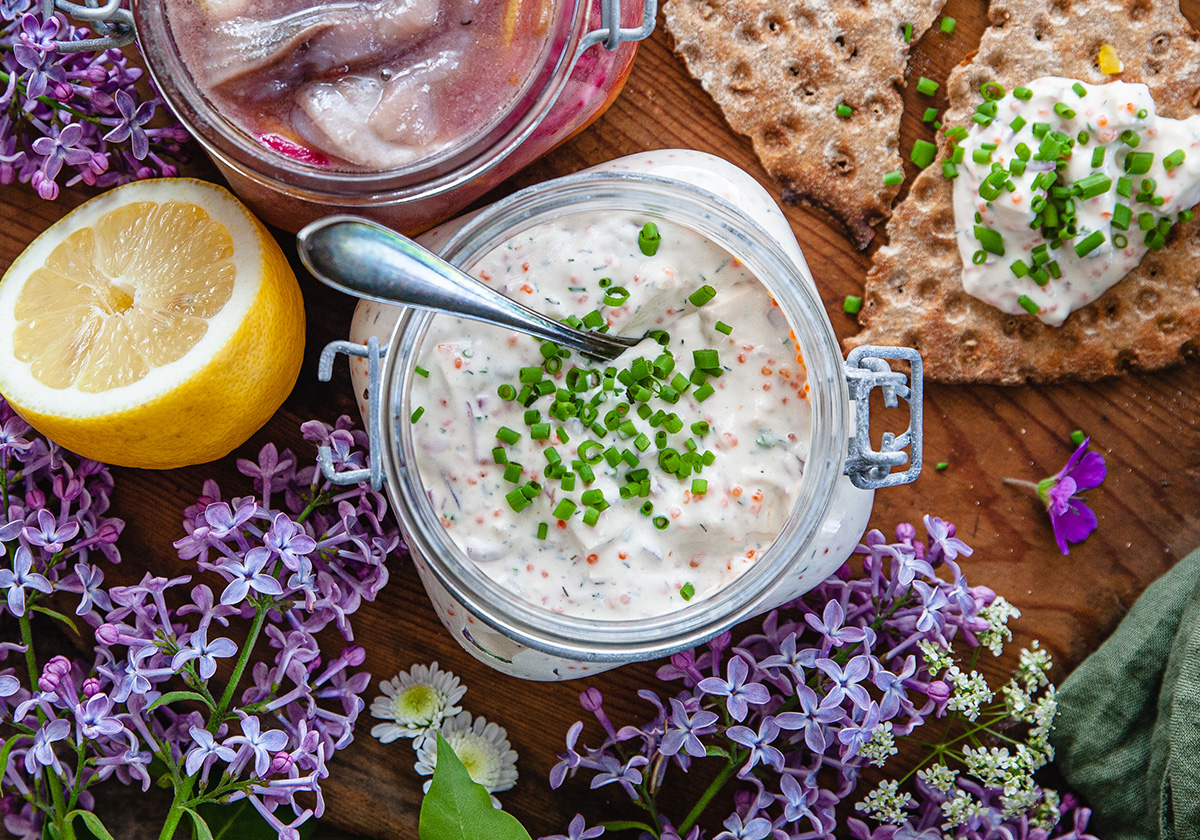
point(797, 710)
point(77, 113)
point(168, 692)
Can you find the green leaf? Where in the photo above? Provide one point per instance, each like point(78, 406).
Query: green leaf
point(457, 808)
point(92, 822)
point(57, 616)
point(202, 829)
point(172, 696)
point(5, 750)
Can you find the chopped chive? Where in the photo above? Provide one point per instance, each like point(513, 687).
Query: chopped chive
point(948, 25)
point(941, 466)
point(907, 32)
point(724, 328)
point(1023, 93)
point(1019, 268)
point(649, 239)
point(949, 170)
point(706, 359)
point(1018, 123)
point(507, 435)
point(702, 295)
point(591, 516)
point(991, 240)
point(1098, 156)
point(1093, 241)
point(1028, 305)
point(1131, 138)
point(516, 500)
point(843, 110)
point(891, 179)
point(1078, 437)
point(564, 509)
point(923, 153)
point(699, 486)
point(687, 592)
point(700, 427)
point(416, 415)
point(1142, 113)
point(1093, 185)
point(543, 530)
point(927, 86)
point(1138, 163)
point(1174, 159)
point(661, 523)
point(1079, 89)
point(852, 305)
point(616, 296)
point(704, 392)
point(1119, 241)
point(1064, 111)
point(539, 431)
point(1122, 215)
point(420, 371)
point(930, 115)
point(499, 456)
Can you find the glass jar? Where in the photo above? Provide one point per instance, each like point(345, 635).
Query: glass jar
point(591, 49)
point(727, 206)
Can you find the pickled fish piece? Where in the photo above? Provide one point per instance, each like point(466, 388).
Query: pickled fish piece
point(333, 35)
point(339, 112)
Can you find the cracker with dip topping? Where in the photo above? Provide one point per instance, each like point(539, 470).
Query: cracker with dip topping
point(779, 71)
point(1150, 319)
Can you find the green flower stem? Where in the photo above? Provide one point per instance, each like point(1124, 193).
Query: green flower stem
point(628, 825)
point(183, 787)
point(60, 811)
point(53, 103)
point(317, 501)
point(222, 711)
point(712, 790)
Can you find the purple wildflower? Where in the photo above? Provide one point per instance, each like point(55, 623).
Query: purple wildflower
point(685, 730)
point(1070, 518)
point(736, 689)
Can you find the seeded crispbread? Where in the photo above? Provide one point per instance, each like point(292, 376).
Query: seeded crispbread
point(778, 70)
point(1151, 319)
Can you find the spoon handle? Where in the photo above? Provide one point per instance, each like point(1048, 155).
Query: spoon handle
point(371, 261)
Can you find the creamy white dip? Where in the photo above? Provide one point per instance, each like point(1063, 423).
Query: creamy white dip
point(1101, 251)
point(625, 566)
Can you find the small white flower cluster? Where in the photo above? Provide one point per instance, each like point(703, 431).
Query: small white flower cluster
point(881, 746)
point(971, 692)
point(997, 615)
point(887, 804)
point(960, 809)
point(939, 777)
point(423, 701)
point(1034, 667)
point(937, 657)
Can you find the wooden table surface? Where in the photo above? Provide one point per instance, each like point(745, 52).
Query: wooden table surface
point(1147, 426)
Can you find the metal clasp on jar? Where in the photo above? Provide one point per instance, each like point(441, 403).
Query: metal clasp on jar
point(867, 369)
point(611, 33)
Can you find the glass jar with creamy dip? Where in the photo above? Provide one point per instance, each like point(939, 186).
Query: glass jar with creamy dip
point(401, 111)
point(716, 221)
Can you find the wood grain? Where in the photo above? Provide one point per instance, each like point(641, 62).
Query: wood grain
point(1148, 427)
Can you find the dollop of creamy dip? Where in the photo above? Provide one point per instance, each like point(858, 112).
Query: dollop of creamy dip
point(579, 505)
point(1062, 187)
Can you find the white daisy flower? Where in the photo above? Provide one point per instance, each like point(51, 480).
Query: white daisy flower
point(482, 747)
point(415, 702)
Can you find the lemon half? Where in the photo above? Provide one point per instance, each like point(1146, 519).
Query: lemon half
point(158, 325)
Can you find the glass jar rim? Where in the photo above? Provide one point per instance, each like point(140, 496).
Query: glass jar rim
point(626, 639)
point(444, 172)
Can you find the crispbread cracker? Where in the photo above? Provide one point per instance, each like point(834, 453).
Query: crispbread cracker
point(1150, 319)
point(778, 70)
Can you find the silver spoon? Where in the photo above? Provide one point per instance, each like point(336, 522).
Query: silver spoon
point(370, 261)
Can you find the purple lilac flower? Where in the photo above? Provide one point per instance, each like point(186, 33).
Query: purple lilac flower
point(78, 113)
point(685, 730)
point(578, 830)
point(22, 577)
point(295, 705)
point(840, 678)
point(739, 692)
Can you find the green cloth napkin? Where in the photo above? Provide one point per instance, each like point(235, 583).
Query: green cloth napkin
point(1127, 735)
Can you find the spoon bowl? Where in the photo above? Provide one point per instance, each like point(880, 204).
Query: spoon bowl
point(367, 260)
